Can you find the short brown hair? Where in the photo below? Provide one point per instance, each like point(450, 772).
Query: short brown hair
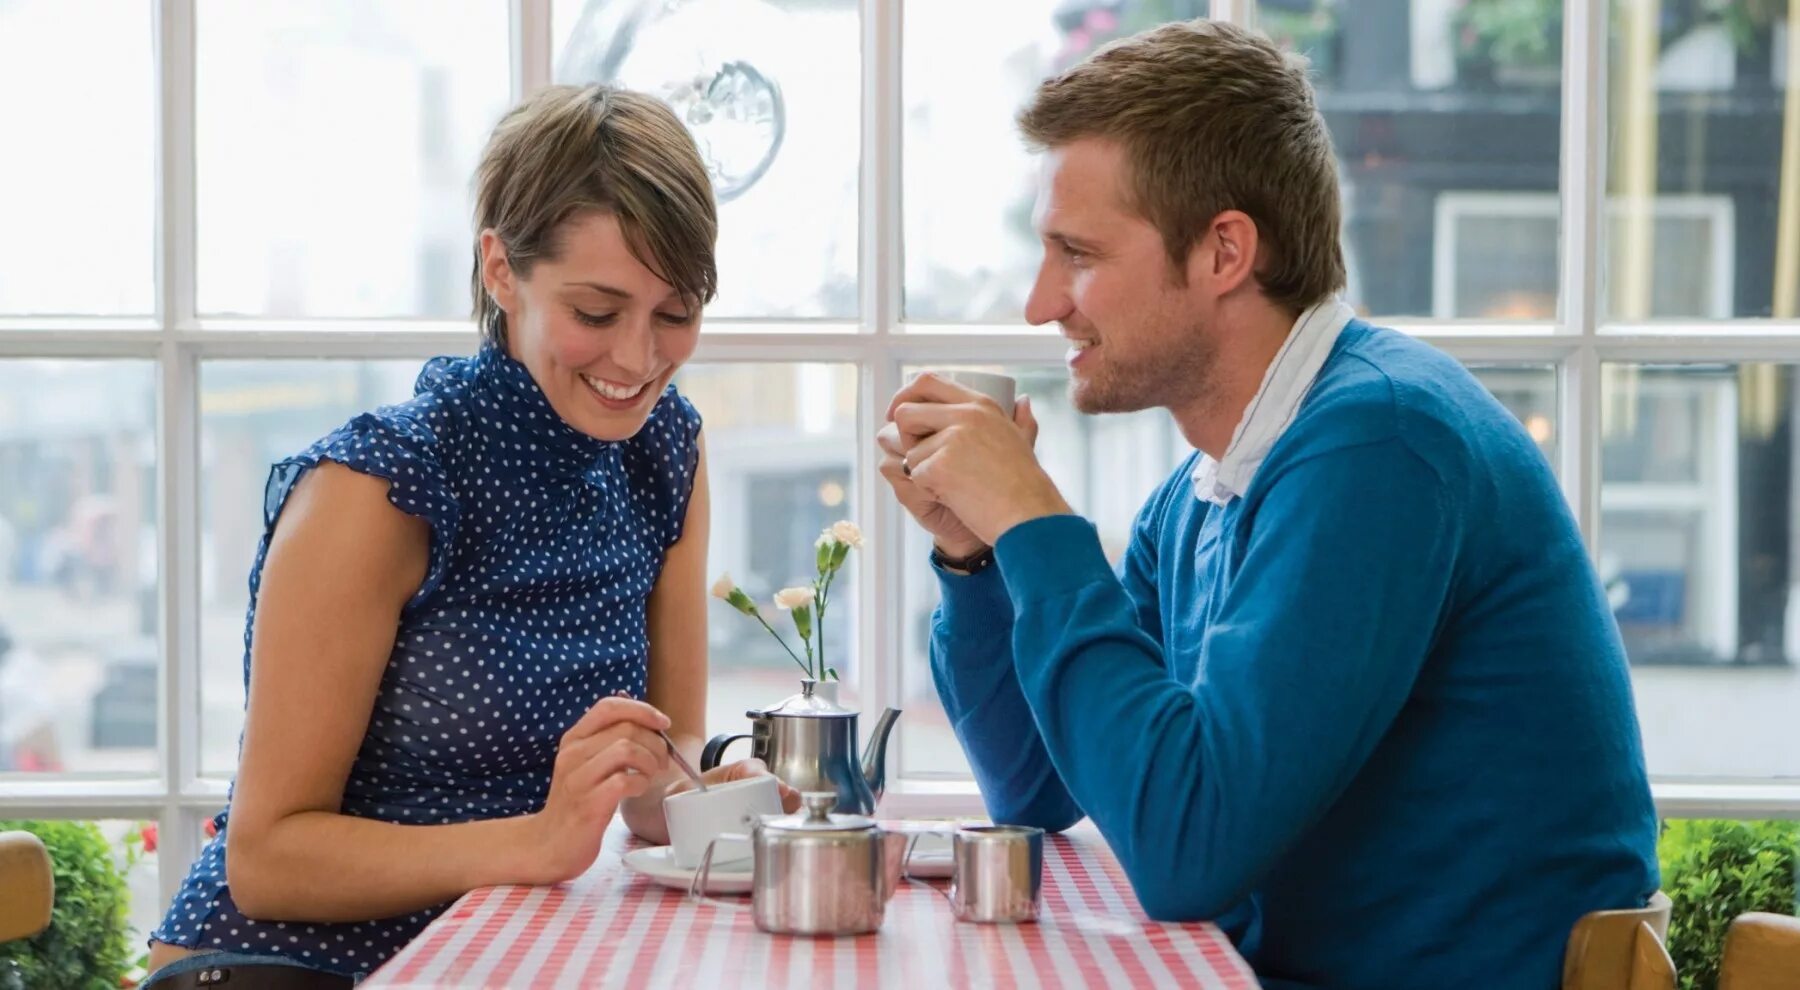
point(1212, 118)
point(569, 149)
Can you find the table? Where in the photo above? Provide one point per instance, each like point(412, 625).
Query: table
point(612, 928)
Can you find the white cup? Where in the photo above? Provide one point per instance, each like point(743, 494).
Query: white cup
point(1000, 388)
point(695, 817)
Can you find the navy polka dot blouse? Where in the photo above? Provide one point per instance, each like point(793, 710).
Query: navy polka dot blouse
point(545, 544)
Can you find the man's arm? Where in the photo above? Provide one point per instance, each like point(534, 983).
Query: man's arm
point(972, 666)
point(1305, 663)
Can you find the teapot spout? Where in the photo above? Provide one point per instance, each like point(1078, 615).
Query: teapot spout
point(874, 764)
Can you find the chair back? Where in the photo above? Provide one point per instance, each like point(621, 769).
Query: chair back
point(1762, 952)
point(1621, 950)
point(27, 887)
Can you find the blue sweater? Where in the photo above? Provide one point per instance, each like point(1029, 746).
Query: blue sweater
point(1373, 716)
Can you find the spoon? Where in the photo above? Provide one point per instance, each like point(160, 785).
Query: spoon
point(681, 761)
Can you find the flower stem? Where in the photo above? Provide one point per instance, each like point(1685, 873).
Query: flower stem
point(783, 642)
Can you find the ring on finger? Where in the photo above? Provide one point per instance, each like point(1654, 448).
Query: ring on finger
point(906, 467)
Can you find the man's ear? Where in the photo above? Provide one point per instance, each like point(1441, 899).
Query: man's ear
point(1225, 256)
point(497, 275)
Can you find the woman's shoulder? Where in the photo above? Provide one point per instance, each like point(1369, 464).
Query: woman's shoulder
point(427, 425)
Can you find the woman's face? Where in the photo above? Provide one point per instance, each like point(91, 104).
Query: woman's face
point(600, 333)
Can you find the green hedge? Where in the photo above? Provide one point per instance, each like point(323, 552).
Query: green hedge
point(1715, 871)
point(87, 945)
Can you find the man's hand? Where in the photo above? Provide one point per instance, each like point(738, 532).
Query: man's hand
point(960, 456)
point(947, 531)
point(741, 770)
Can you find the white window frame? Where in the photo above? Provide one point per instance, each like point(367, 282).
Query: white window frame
point(1452, 208)
point(880, 342)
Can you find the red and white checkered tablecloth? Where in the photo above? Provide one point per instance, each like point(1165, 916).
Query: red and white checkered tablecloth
point(612, 928)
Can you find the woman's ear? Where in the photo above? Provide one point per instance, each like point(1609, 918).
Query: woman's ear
point(497, 275)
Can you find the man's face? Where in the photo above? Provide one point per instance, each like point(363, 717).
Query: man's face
point(1138, 333)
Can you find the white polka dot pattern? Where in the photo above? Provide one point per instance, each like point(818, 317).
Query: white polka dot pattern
point(545, 544)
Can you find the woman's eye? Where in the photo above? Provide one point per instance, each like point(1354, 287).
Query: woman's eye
point(597, 319)
point(676, 319)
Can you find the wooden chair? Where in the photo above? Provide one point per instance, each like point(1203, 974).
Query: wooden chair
point(27, 886)
point(1621, 950)
point(1762, 952)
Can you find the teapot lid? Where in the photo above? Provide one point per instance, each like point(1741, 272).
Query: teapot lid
point(807, 704)
point(816, 817)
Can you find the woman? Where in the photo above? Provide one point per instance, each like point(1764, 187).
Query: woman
point(472, 612)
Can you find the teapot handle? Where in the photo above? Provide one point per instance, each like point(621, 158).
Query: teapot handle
point(715, 749)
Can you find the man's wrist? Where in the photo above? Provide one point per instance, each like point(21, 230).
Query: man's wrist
point(969, 563)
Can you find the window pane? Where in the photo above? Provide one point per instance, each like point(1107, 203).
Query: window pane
point(252, 414)
point(1698, 541)
point(107, 858)
point(79, 181)
point(1427, 103)
point(335, 145)
point(1702, 225)
point(78, 591)
point(772, 92)
point(1107, 467)
point(780, 460)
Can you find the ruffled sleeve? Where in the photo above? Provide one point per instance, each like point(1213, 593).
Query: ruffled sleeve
point(398, 450)
point(660, 462)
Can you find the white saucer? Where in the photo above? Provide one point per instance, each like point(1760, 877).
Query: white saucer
point(930, 858)
point(658, 863)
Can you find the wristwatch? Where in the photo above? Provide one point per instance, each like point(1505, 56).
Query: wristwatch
point(974, 563)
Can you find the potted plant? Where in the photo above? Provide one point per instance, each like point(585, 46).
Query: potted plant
point(1714, 871)
point(86, 946)
point(806, 604)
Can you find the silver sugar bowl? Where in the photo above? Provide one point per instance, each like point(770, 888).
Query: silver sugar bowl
point(816, 872)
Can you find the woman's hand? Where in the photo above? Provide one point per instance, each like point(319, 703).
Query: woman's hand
point(741, 770)
point(608, 756)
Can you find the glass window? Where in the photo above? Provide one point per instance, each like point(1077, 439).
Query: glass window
point(781, 459)
point(1705, 226)
point(79, 658)
point(1472, 104)
point(78, 179)
point(252, 414)
point(1698, 551)
point(772, 91)
point(335, 143)
point(1439, 109)
point(1107, 467)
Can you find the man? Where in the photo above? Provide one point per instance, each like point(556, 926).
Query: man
point(1355, 691)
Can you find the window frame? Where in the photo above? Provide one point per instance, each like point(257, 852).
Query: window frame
point(880, 343)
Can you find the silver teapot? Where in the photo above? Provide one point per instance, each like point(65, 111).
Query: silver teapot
point(810, 743)
point(817, 873)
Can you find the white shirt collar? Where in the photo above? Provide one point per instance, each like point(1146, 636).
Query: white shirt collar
point(1284, 384)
